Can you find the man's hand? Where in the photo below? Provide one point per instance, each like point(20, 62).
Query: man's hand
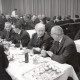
point(50, 53)
point(43, 53)
point(37, 49)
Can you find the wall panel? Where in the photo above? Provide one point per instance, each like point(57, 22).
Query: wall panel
point(48, 7)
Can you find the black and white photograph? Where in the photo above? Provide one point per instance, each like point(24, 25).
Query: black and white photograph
point(39, 39)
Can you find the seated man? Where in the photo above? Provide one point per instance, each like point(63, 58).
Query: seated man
point(21, 36)
point(40, 39)
point(63, 49)
point(7, 33)
point(3, 65)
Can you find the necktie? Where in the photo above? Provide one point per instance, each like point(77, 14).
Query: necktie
point(56, 45)
point(38, 41)
point(7, 36)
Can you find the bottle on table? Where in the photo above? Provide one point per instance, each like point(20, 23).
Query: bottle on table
point(21, 45)
point(26, 57)
point(43, 54)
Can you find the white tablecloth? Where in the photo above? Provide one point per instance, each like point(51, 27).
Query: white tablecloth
point(77, 43)
point(17, 69)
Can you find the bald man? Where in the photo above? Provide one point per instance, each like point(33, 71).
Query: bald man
point(40, 40)
point(63, 49)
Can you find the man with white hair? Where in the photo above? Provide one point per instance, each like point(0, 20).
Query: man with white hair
point(40, 40)
point(63, 49)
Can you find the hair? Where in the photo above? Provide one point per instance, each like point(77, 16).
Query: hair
point(47, 18)
point(18, 25)
point(59, 17)
point(76, 16)
point(44, 20)
point(38, 25)
point(69, 17)
point(28, 16)
point(15, 9)
point(7, 22)
point(58, 29)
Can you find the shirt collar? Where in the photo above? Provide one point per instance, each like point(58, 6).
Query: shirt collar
point(41, 36)
point(60, 40)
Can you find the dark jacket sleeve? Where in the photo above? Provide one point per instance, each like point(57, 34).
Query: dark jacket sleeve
point(65, 55)
point(5, 61)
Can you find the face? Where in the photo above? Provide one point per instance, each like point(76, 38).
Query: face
point(15, 29)
point(55, 35)
point(8, 26)
point(40, 31)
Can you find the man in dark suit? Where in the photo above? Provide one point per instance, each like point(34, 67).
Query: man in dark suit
point(7, 33)
point(21, 36)
point(63, 49)
point(3, 65)
point(40, 40)
point(2, 21)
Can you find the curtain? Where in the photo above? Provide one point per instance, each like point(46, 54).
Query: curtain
point(0, 6)
point(49, 8)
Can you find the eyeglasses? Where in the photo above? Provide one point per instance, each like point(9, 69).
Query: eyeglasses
point(55, 34)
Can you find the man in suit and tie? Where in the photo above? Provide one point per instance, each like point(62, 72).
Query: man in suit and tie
point(63, 49)
point(21, 36)
point(40, 40)
point(7, 33)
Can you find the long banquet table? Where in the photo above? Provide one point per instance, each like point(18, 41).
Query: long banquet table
point(19, 70)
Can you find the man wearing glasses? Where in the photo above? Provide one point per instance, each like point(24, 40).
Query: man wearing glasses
point(63, 49)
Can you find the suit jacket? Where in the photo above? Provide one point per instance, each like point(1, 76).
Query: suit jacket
point(23, 37)
point(66, 53)
point(7, 35)
point(77, 36)
point(3, 65)
point(44, 41)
